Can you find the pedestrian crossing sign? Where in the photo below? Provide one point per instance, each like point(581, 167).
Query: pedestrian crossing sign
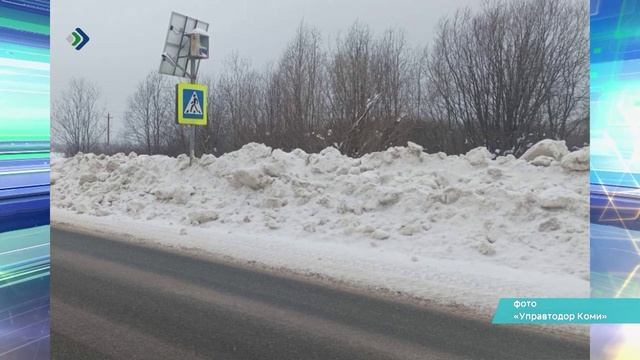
point(191, 104)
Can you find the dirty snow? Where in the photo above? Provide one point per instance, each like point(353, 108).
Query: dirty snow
point(458, 229)
point(550, 148)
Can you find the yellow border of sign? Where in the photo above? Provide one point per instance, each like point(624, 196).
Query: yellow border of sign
point(180, 104)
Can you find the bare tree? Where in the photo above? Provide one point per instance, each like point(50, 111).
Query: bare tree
point(369, 93)
point(147, 116)
point(515, 69)
point(210, 136)
point(392, 76)
point(239, 94)
point(351, 93)
point(77, 118)
point(300, 78)
point(273, 97)
point(390, 73)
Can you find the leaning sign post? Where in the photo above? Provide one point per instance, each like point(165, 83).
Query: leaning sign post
point(186, 44)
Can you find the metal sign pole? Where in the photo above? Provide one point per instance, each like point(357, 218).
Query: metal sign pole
point(192, 132)
point(187, 41)
point(108, 129)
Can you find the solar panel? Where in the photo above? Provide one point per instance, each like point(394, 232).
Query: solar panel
point(176, 47)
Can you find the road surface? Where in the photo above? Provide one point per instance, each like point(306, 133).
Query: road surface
point(118, 300)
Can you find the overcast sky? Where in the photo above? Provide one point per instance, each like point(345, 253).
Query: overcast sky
point(127, 36)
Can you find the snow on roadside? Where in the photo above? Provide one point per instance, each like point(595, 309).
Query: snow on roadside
point(466, 229)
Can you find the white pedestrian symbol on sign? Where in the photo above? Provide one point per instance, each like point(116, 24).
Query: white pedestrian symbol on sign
point(193, 106)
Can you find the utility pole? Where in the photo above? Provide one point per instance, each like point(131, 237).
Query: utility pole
point(108, 129)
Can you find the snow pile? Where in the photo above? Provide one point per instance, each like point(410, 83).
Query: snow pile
point(548, 148)
point(529, 213)
point(577, 160)
point(548, 152)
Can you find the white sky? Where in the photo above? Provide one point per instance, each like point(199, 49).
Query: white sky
point(127, 37)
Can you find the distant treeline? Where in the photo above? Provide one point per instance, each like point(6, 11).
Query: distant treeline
point(503, 77)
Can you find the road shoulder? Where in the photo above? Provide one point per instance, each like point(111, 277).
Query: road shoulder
point(365, 279)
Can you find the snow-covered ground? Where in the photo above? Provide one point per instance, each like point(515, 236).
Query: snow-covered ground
point(463, 229)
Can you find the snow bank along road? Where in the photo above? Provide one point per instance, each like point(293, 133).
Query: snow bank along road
point(464, 229)
point(118, 300)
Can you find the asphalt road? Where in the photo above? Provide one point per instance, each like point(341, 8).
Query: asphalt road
point(116, 300)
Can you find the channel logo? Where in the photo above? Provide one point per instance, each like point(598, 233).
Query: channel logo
point(78, 39)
